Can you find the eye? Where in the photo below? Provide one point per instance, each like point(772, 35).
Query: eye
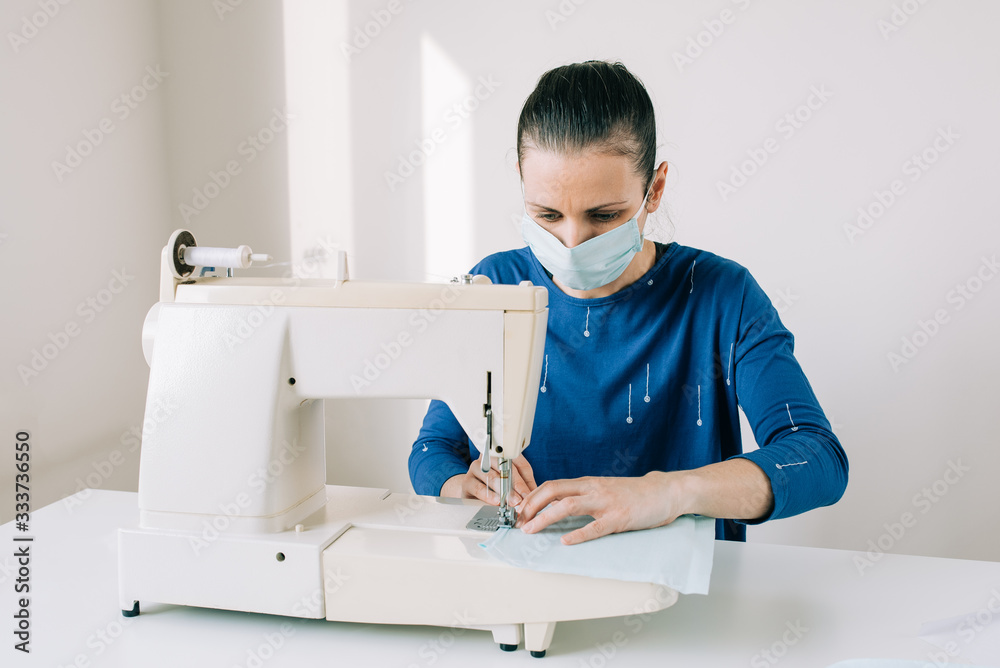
point(605, 217)
point(548, 217)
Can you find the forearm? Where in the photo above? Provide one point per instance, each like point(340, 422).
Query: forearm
point(734, 489)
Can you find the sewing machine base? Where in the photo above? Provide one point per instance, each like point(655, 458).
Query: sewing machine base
point(373, 557)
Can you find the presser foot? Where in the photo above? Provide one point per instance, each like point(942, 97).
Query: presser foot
point(134, 612)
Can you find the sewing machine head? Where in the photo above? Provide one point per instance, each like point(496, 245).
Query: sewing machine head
point(239, 368)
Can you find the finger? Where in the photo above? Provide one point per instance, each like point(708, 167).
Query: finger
point(518, 488)
point(476, 489)
point(557, 511)
point(526, 474)
point(492, 480)
point(589, 531)
point(546, 493)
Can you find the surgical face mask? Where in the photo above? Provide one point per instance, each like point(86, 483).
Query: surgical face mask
point(592, 264)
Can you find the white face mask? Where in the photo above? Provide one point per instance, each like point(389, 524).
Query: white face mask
point(592, 264)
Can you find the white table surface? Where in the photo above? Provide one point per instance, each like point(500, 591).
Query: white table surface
point(758, 593)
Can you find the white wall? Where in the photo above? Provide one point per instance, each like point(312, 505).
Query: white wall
point(63, 239)
point(60, 241)
point(848, 304)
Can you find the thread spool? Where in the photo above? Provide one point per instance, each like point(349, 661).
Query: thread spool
point(187, 255)
point(207, 256)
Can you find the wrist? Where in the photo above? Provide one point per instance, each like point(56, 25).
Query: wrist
point(452, 487)
point(679, 490)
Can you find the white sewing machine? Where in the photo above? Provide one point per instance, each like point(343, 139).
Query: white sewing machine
point(234, 510)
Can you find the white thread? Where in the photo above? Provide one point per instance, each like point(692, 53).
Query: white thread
point(794, 428)
point(692, 276)
point(629, 418)
point(647, 384)
point(586, 325)
point(206, 256)
point(783, 466)
point(699, 405)
point(546, 376)
point(730, 375)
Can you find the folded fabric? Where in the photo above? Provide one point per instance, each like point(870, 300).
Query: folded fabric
point(678, 555)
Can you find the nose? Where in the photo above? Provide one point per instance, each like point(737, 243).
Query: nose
point(572, 233)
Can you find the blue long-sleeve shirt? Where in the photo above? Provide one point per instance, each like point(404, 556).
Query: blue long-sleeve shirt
point(651, 378)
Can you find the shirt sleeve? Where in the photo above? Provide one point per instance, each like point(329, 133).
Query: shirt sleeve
point(799, 453)
point(441, 451)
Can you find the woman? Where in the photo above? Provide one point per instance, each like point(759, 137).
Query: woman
point(650, 348)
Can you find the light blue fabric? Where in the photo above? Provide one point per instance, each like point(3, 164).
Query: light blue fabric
point(678, 555)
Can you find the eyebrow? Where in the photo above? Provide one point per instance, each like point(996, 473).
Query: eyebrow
point(590, 210)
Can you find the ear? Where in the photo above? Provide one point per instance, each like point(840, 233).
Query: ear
point(656, 190)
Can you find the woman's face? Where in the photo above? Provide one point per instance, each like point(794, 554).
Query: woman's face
point(578, 196)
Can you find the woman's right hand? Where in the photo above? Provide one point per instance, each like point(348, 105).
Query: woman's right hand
point(474, 484)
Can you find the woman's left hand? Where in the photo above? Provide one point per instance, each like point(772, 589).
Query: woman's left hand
point(616, 504)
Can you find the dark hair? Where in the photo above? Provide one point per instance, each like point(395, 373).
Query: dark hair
point(594, 104)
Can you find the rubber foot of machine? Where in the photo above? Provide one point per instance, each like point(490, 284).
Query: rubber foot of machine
point(507, 648)
point(538, 654)
point(134, 612)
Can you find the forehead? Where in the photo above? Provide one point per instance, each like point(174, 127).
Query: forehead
point(554, 178)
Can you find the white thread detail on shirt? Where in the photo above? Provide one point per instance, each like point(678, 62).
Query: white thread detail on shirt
point(546, 376)
point(794, 428)
point(730, 364)
point(699, 405)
